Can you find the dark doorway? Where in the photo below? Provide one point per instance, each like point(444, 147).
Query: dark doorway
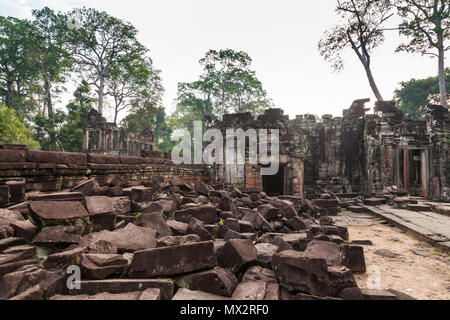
point(274, 185)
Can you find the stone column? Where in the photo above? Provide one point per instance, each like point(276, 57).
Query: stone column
point(85, 140)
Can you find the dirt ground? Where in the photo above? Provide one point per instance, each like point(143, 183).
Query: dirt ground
point(414, 268)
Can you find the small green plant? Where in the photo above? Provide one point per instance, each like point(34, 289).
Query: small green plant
point(221, 222)
point(138, 216)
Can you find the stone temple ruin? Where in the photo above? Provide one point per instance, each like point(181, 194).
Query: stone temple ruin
point(100, 136)
point(138, 227)
point(356, 153)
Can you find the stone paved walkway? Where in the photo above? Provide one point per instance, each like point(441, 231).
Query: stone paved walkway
point(429, 226)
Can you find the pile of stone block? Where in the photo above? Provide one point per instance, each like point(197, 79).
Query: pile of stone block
point(173, 240)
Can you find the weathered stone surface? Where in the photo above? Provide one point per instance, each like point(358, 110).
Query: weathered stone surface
point(99, 205)
point(4, 195)
point(17, 282)
point(142, 194)
point(129, 239)
point(257, 290)
point(31, 294)
point(189, 295)
point(88, 187)
point(65, 258)
point(10, 242)
point(265, 253)
point(146, 295)
point(220, 282)
point(177, 240)
point(156, 222)
point(25, 230)
point(121, 205)
point(297, 224)
point(118, 286)
point(299, 271)
point(232, 224)
point(328, 251)
point(237, 255)
point(178, 228)
point(60, 235)
point(351, 294)
point(202, 188)
point(268, 211)
point(16, 191)
point(373, 294)
point(258, 221)
point(171, 261)
point(353, 258)
point(101, 266)
point(197, 227)
point(257, 273)
point(56, 212)
point(205, 213)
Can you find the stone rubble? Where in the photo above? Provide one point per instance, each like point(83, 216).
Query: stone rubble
point(175, 239)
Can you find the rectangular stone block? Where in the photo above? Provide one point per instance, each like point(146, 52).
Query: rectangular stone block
point(170, 261)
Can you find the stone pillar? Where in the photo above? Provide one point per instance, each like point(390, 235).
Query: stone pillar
point(85, 140)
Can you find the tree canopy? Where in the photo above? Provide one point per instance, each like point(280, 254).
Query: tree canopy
point(226, 85)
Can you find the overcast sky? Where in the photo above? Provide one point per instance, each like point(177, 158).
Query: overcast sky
point(280, 36)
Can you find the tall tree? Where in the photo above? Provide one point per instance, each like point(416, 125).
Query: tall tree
point(71, 134)
point(427, 24)
point(13, 130)
point(17, 69)
point(133, 85)
point(415, 94)
point(362, 30)
point(227, 85)
point(52, 60)
point(100, 42)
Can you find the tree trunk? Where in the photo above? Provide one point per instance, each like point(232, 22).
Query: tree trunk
point(442, 87)
point(49, 104)
point(372, 83)
point(101, 94)
point(9, 94)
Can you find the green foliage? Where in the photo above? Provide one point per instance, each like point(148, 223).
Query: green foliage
point(18, 68)
point(71, 134)
point(414, 94)
point(12, 130)
point(227, 85)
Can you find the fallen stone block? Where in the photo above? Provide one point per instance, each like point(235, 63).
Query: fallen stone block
point(297, 224)
point(205, 213)
point(178, 228)
point(300, 272)
point(121, 205)
point(353, 258)
point(258, 221)
point(257, 290)
point(25, 230)
point(328, 251)
point(189, 295)
point(118, 286)
point(142, 194)
point(31, 294)
point(129, 239)
point(56, 213)
point(197, 227)
point(65, 258)
point(170, 261)
point(257, 273)
point(88, 187)
point(219, 282)
point(419, 208)
point(374, 294)
point(15, 283)
point(265, 253)
point(59, 236)
point(268, 211)
point(101, 266)
point(237, 255)
point(177, 240)
point(156, 222)
point(10, 242)
point(146, 295)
